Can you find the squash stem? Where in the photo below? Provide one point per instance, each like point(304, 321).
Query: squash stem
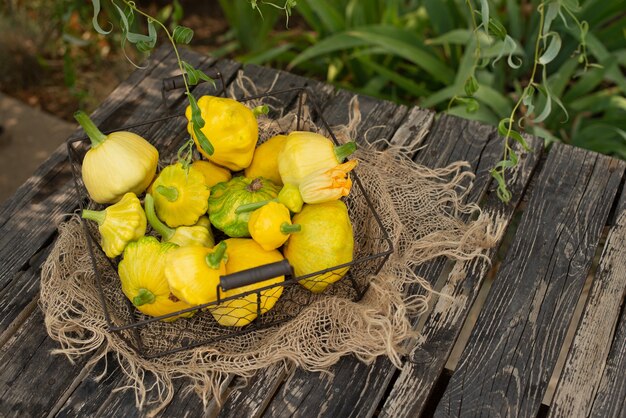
point(343, 151)
point(213, 259)
point(287, 228)
point(165, 231)
point(90, 128)
point(170, 193)
point(144, 296)
point(250, 207)
point(94, 215)
point(260, 110)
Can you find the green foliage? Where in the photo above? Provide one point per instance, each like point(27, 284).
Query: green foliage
point(553, 68)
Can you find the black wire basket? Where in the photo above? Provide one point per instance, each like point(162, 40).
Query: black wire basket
point(151, 336)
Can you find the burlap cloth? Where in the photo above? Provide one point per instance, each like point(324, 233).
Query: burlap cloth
point(422, 210)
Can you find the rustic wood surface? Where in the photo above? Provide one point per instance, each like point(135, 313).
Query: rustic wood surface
point(565, 200)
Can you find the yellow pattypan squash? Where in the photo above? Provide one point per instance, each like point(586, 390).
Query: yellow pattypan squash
point(325, 240)
point(265, 160)
point(117, 163)
point(231, 128)
point(119, 224)
point(306, 152)
point(180, 195)
point(270, 225)
point(142, 274)
point(193, 273)
point(212, 173)
point(198, 234)
point(245, 254)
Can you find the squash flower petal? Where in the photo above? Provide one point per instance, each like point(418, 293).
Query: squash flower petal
point(327, 184)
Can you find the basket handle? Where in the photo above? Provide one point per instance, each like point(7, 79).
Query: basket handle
point(177, 82)
point(255, 275)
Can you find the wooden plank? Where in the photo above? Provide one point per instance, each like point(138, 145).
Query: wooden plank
point(450, 140)
point(88, 397)
point(505, 368)
point(610, 400)
point(443, 324)
point(31, 380)
point(586, 359)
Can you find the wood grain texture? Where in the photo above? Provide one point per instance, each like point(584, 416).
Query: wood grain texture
point(505, 368)
point(610, 400)
point(444, 323)
point(31, 380)
point(586, 359)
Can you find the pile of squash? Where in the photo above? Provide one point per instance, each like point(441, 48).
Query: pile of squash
point(280, 199)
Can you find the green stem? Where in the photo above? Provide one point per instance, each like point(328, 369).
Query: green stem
point(94, 215)
point(287, 228)
point(343, 151)
point(165, 231)
point(213, 259)
point(144, 296)
point(90, 128)
point(250, 207)
point(170, 193)
point(475, 25)
point(507, 147)
point(260, 110)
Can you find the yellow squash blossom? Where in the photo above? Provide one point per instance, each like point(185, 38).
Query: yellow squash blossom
point(327, 184)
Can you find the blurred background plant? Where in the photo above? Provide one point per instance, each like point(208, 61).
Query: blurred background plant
point(411, 51)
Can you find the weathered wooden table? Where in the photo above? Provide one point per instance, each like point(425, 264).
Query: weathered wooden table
point(567, 223)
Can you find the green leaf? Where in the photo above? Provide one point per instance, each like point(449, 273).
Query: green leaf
point(339, 42)
point(494, 99)
point(484, 11)
point(329, 16)
point(182, 35)
point(94, 20)
point(404, 43)
point(547, 108)
point(509, 48)
point(178, 13)
point(197, 124)
point(502, 191)
point(503, 130)
point(194, 76)
point(471, 85)
point(147, 45)
point(497, 29)
point(455, 37)
point(550, 14)
point(417, 90)
point(553, 48)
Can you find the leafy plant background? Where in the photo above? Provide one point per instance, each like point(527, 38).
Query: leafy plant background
point(441, 54)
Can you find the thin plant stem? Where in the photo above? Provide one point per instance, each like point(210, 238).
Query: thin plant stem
point(531, 82)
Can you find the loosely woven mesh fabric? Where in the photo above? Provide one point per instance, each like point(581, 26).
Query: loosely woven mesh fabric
point(422, 211)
